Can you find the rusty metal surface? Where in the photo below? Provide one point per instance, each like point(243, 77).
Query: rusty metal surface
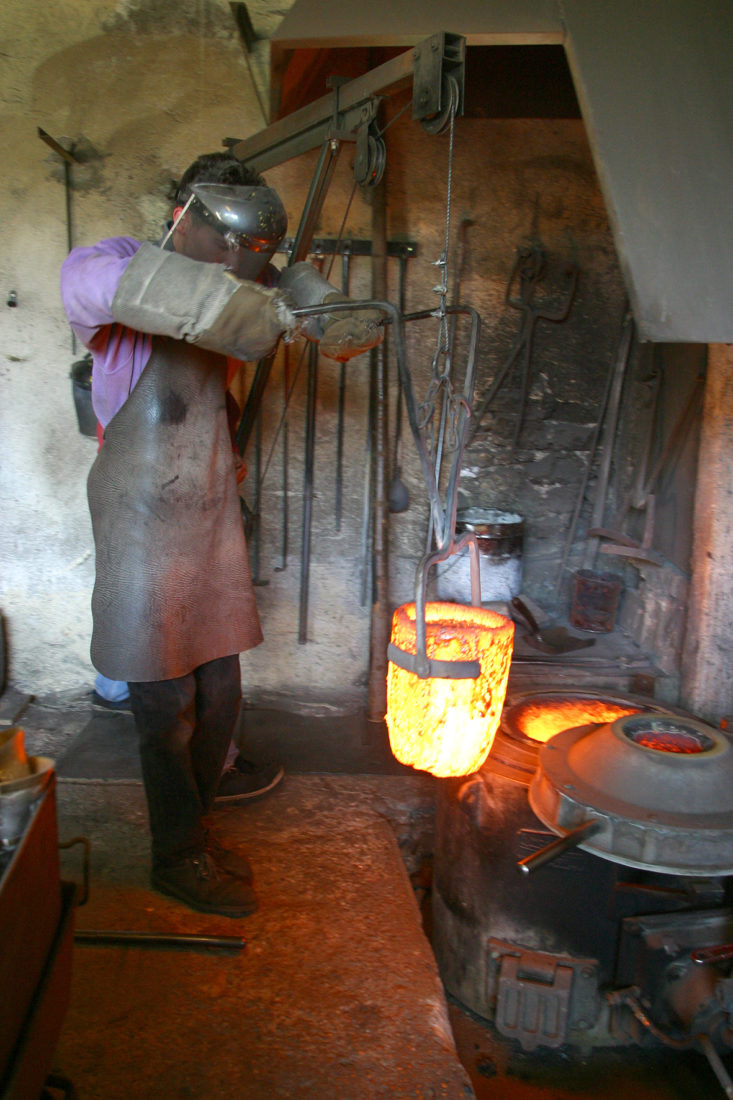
point(30, 912)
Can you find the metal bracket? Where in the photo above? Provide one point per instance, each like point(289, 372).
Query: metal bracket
point(440, 670)
point(541, 997)
point(437, 58)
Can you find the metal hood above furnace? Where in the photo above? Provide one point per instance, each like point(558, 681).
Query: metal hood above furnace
point(654, 79)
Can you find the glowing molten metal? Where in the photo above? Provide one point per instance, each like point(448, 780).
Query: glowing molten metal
point(542, 720)
point(447, 726)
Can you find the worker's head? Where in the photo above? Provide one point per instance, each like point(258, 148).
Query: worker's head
point(234, 218)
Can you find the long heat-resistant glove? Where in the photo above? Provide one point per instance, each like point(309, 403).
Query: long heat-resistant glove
point(167, 294)
point(341, 335)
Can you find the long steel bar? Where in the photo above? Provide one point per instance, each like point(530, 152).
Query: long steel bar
point(308, 474)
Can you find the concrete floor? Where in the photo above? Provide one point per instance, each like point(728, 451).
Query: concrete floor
point(336, 995)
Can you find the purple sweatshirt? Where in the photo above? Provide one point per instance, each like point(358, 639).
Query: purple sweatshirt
point(89, 278)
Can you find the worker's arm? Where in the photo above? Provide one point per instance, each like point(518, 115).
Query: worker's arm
point(167, 294)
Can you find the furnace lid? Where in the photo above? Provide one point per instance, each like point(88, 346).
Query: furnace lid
point(660, 785)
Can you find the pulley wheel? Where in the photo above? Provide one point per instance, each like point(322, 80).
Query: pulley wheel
point(371, 157)
point(450, 99)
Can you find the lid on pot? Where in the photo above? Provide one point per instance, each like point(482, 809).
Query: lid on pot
point(660, 785)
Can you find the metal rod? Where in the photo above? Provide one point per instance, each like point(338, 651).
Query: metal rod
point(301, 245)
point(366, 506)
point(255, 538)
point(284, 476)
point(159, 939)
point(716, 1065)
point(314, 202)
point(310, 448)
point(583, 485)
point(381, 612)
point(551, 851)
point(614, 402)
point(68, 158)
point(254, 399)
point(338, 501)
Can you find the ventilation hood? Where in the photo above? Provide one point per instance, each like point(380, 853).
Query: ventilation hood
point(654, 80)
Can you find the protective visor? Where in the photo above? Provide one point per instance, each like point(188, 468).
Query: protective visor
point(247, 217)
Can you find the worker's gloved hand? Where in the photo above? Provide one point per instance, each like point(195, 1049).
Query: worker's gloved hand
point(351, 332)
point(341, 335)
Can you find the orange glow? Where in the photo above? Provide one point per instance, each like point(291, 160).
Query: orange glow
point(542, 720)
point(444, 726)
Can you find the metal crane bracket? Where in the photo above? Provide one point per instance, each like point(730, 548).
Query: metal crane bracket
point(350, 106)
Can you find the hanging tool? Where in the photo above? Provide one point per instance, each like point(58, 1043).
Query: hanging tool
point(643, 498)
point(308, 471)
point(530, 265)
point(380, 620)
point(609, 436)
point(584, 482)
point(547, 635)
point(345, 266)
point(248, 38)
point(398, 495)
point(285, 512)
point(365, 556)
point(256, 531)
point(68, 159)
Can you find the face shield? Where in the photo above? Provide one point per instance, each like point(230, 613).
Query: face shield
point(252, 221)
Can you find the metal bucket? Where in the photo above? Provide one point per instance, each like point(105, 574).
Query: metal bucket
point(81, 388)
point(500, 542)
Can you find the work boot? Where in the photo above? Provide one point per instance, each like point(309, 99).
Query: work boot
point(243, 781)
point(228, 859)
point(200, 884)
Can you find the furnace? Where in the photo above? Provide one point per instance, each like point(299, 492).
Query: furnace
point(619, 932)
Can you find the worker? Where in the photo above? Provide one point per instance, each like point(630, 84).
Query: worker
point(173, 603)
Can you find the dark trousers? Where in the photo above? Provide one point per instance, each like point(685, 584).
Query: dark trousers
point(184, 728)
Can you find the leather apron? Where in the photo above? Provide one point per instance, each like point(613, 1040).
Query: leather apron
point(173, 587)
